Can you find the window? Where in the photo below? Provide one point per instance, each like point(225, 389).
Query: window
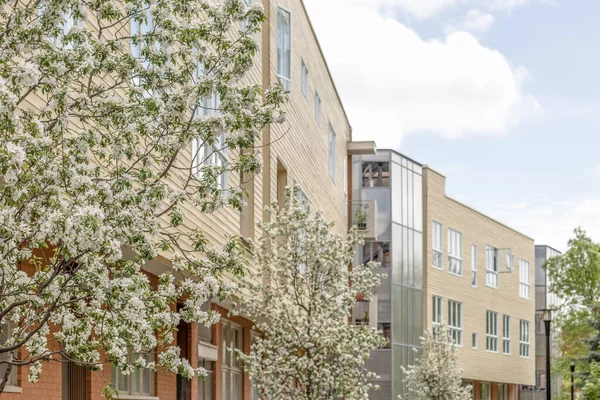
point(474, 340)
point(491, 331)
point(484, 390)
point(332, 153)
point(140, 29)
point(245, 22)
point(284, 48)
point(437, 245)
point(231, 367)
point(204, 332)
point(375, 174)
point(491, 267)
point(138, 382)
point(254, 392)
point(524, 279)
point(205, 386)
point(455, 321)
point(204, 156)
point(5, 334)
point(524, 339)
point(345, 186)
point(502, 391)
point(318, 108)
point(454, 252)
point(506, 334)
point(437, 311)
point(304, 80)
point(473, 265)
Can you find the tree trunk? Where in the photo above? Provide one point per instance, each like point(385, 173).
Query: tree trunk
point(5, 377)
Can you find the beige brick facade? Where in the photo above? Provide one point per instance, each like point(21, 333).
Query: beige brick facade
point(479, 230)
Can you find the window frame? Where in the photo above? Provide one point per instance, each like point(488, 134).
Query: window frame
point(137, 373)
point(491, 267)
point(506, 333)
point(491, 331)
point(455, 322)
point(318, 109)
point(437, 311)
point(5, 333)
point(524, 279)
point(286, 81)
point(206, 392)
point(304, 74)
point(474, 341)
point(229, 366)
point(332, 152)
point(524, 339)
point(437, 253)
point(474, 265)
point(454, 252)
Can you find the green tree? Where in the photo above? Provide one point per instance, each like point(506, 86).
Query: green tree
point(575, 277)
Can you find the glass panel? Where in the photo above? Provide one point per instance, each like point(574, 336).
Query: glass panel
point(405, 264)
point(237, 386)
point(404, 196)
point(418, 260)
point(396, 193)
point(418, 202)
point(409, 185)
point(397, 253)
point(411, 262)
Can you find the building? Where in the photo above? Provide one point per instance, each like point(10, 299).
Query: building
point(544, 299)
point(446, 263)
point(310, 150)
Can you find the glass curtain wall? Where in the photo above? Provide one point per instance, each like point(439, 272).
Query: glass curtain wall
point(395, 182)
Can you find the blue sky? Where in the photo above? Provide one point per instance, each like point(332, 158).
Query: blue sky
point(502, 96)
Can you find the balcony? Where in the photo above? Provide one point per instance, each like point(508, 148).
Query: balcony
point(364, 217)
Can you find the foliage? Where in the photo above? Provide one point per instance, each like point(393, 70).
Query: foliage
point(437, 375)
point(308, 349)
point(96, 126)
point(575, 278)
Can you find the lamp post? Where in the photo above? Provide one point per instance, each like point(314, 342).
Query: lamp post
point(572, 366)
point(547, 319)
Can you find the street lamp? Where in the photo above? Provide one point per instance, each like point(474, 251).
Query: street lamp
point(547, 319)
point(572, 366)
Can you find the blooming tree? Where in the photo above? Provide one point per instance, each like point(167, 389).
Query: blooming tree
point(307, 349)
point(436, 375)
point(115, 116)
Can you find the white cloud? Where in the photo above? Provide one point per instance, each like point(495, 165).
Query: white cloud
point(420, 9)
point(478, 21)
point(552, 224)
point(393, 82)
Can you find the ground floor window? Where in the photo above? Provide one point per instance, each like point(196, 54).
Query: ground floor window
point(231, 368)
point(484, 391)
point(205, 386)
point(5, 334)
point(139, 382)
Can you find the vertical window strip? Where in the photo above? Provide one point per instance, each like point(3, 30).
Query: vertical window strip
point(491, 267)
point(524, 287)
point(524, 338)
point(455, 321)
point(437, 254)
point(284, 45)
point(454, 252)
point(437, 311)
point(474, 265)
point(304, 80)
point(318, 108)
point(506, 334)
point(491, 331)
point(332, 153)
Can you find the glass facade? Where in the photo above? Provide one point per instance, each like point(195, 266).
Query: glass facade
point(396, 184)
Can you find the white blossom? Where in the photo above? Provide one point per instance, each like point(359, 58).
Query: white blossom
point(308, 350)
point(94, 165)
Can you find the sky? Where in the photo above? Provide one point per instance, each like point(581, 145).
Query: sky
point(501, 96)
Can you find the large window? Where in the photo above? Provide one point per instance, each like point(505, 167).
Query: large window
point(484, 390)
point(332, 153)
point(304, 80)
point(437, 311)
point(455, 321)
point(139, 30)
point(491, 267)
point(524, 279)
point(436, 241)
point(491, 331)
point(506, 334)
point(140, 382)
point(375, 174)
point(231, 367)
point(524, 338)
point(454, 252)
point(473, 265)
point(210, 156)
point(5, 334)
point(205, 386)
point(205, 332)
point(284, 48)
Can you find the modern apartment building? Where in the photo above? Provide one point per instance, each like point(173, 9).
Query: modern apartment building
point(544, 299)
point(446, 264)
point(310, 149)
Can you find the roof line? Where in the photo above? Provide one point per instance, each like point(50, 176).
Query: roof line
point(402, 155)
point(325, 61)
